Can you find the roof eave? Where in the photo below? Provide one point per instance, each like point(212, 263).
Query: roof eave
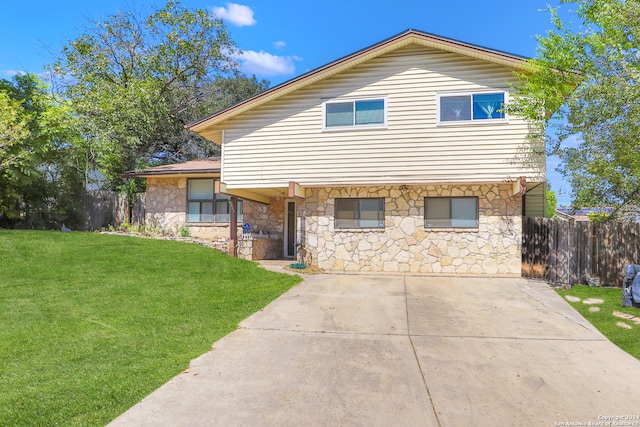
point(349, 61)
point(142, 174)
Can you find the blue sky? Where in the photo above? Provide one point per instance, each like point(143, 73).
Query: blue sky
point(284, 38)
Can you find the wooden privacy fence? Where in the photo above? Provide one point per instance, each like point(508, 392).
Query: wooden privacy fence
point(570, 252)
point(104, 208)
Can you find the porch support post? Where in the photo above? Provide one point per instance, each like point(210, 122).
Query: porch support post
point(233, 226)
point(519, 186)
point(295, 191)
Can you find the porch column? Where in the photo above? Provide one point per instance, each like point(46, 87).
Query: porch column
point(233, 226)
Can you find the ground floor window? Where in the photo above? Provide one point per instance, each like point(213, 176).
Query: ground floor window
point(450, 212)
point(203, 205)
point(359, 213)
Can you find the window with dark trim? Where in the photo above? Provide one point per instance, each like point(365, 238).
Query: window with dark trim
point(471, 107)
point(450, 212)
point(359, 213)
point(355, 113)
point(203, 205)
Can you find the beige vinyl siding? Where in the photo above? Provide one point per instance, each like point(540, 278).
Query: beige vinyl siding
point(284, 141)
point(535, 201)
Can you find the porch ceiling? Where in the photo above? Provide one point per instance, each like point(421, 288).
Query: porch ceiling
point(261, 195)
point(270, 192)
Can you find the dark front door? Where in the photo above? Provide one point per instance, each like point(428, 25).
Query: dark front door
point(290, 229)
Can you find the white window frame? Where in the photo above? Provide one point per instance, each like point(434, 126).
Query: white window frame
point(354, 126)
point(471, 121)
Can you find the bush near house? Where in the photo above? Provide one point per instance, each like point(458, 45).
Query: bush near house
point(91, 323)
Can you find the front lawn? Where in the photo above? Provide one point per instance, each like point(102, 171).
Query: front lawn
point(91, 323)
point(625, 337)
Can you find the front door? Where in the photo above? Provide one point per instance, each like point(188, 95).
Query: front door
point(290, 226)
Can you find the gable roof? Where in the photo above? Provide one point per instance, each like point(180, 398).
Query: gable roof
point(203, 127)
point(193, 167)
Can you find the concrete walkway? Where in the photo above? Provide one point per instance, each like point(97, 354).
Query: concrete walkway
point(365, 350)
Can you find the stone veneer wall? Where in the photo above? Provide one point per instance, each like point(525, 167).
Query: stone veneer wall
point(257, 249)
point(166, 207)
point(166, 203)
point(270, 220)
point(405, 245)
point(265, 218)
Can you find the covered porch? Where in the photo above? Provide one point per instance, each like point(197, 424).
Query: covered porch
point(270, 229)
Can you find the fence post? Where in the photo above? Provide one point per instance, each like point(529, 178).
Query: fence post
point(573, 252)
point(552, 247)
point(563, 257)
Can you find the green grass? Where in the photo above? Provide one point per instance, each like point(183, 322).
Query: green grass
point(604, 320)
point(90, 323)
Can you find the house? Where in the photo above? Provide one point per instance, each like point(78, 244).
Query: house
point(396, 158)
point(581, 214)
point(181, 194)
point(625, 213)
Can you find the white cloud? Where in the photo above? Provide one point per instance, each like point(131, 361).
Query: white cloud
point(12, 73)
point(279, 44)
point(266, 64)
point(237, 14)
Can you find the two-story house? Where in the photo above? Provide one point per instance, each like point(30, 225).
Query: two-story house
point(397, 158)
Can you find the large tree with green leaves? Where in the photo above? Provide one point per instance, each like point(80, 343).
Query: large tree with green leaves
point(136, 81)
point(587, 74)
point(13, 133)
point(41, 156)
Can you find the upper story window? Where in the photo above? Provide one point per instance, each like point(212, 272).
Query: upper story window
point(203, 205)
point(471, 107)
point(355, 113)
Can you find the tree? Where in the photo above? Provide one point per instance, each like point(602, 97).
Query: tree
point(600, 217)
point(14, 154)
point(136, 81)
point(13, 132)
point(39, 156)
point(588, 77)
point(551, 203)
point(227, 91)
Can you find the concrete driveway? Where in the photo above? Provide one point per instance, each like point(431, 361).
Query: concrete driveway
point(365, 350)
